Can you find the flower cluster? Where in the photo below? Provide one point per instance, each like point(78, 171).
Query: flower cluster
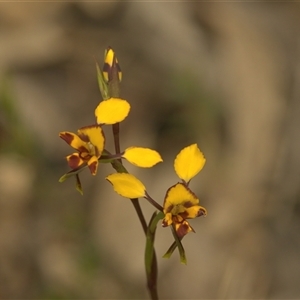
point(89, 142)
point(180, 203)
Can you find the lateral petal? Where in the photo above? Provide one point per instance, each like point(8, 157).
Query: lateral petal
point(112, 111)
point(127, 185)
point(73, 140)
point(195, 211)
point(189, 162)
point(142, 157)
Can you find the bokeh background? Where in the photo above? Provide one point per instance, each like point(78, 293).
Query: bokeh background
point(223, 75)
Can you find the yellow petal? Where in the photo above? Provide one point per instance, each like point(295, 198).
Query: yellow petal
point(195, 211)
point(112, 111)
point(181, 197)
point(189, 162)
point(73, 140)
point(142, 157)
point(167, 220)
point(94, 137)
point(127, 185)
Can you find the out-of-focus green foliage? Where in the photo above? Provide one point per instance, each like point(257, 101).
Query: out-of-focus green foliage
point(14, 137)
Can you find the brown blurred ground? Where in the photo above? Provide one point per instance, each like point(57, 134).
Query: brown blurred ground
point(224, 75)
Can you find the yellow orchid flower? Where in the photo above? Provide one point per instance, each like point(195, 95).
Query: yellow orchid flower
point(181, 204)
point(89, 142)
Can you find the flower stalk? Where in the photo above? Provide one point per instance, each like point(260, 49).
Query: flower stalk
point(180, 202)
point(114, 76)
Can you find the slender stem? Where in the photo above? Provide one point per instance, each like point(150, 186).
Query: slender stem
point(153, 202)
point(139, 212)
point(151, 268)
point(114, 91)
point(116, 133)
point(152, 278)
point(153, 292)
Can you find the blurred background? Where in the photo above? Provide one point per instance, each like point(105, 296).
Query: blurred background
point(223, 75)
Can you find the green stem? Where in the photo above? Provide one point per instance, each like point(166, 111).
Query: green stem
point(114, 91)
point(152, 276)
point(151, 268)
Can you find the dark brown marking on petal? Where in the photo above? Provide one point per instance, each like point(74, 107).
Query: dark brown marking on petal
point(169, 208)
point(84, 137)
point(67, 137)
point(201, 212)
point(74, 161)
point(97, 152)
point(82, 149)
point(164, 223)
point(107, 69)
point(93, 168)
point(184, 215)
point(187, 204)
point(182, 230)
point(175, 219)
point(85, 156)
